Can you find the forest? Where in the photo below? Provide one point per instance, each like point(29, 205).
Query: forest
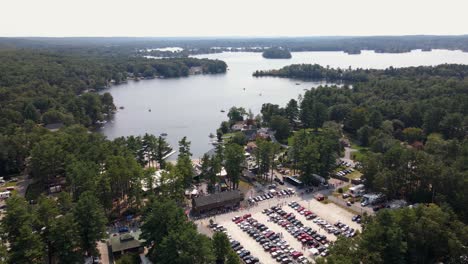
point(42, 87)
point(276, 53)
point(200, 45)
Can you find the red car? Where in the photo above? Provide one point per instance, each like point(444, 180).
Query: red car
point(247, 216)
point(296, 254)
point(239, 220)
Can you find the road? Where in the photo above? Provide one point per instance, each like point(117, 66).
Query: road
point(347, 155)
point(356, 207)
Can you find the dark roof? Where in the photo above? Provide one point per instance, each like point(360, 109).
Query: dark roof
point(217, 198)
point(54, 126)
point(125, 242)
point(250, 133)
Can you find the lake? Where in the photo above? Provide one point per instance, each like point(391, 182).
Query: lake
point(190, 106)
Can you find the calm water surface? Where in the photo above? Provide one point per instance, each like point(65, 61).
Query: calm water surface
point(191, 106)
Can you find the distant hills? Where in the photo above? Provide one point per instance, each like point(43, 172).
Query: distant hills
point(193, 45)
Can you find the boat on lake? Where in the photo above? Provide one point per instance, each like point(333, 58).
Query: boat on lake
point(222, 111)
point(163, 134)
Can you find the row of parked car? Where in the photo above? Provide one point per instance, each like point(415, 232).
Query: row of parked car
point(345, 163)
point(271, 195)
point(344, 229)
point(271, 242)
point(317, 220)
point(357, 219)
point(344, 172)
point(243, 253)
point(306, 235)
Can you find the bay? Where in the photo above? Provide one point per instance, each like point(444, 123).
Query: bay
point(191, 106)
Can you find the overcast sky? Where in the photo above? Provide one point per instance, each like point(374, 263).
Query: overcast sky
point(232, 17)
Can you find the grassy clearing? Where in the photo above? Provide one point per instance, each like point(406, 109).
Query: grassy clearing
point(228, 135)
point(345, 189)
point(359, 155)
point(354, 175)
point(10, 184)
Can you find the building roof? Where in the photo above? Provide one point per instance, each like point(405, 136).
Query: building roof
point(54, 126)
point(216, 198)
point(125, 241)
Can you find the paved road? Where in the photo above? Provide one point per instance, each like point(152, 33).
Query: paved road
point(356, 207)
point(347, 155)
point(102, 247)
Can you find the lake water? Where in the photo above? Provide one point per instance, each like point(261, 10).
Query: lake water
point(191, 106)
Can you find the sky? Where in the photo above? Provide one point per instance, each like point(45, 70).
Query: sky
point(175, 18)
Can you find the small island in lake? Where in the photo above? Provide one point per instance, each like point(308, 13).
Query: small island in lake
point(276, 53)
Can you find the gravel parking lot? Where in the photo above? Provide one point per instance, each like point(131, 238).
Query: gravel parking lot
point(329, 212)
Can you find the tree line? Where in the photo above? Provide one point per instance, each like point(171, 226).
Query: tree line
point(349, 44)
point(44, 87)
point(413, 124)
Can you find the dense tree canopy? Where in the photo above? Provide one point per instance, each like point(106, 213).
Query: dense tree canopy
point(276, 53)
point(425, 234)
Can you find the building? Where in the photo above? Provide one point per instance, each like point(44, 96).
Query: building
point(155, 181)
point(238, 126)
point(319, 179)
point(124, 243)
point(54, 126)
point(372, 198)
point(217, 201)
point(357, 190)
point(250, 134)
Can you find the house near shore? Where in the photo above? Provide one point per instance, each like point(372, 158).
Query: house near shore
point(195, 70)
point(251, 147)
point(238, 126)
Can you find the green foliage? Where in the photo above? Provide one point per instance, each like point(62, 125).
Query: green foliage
point(276, 53)
point(419, 176)
point(129, 258)
point(234, 158)
point(232, 258)
point(265, 154)
point(281, 127)
point(236, 114)
point(184, 246)
point(412, 134)
point(426, 234)
point(25, 245)
point(221, 246)
point(171, 238)
point(313, 153)
point(269, 110)
point(90, 220)
point(239, 138)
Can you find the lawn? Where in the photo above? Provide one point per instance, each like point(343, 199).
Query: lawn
point(354, 175)
point(10, 184)
point(360, 153)
point(228, 135)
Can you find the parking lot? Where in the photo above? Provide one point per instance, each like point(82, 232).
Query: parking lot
point(326, 214)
